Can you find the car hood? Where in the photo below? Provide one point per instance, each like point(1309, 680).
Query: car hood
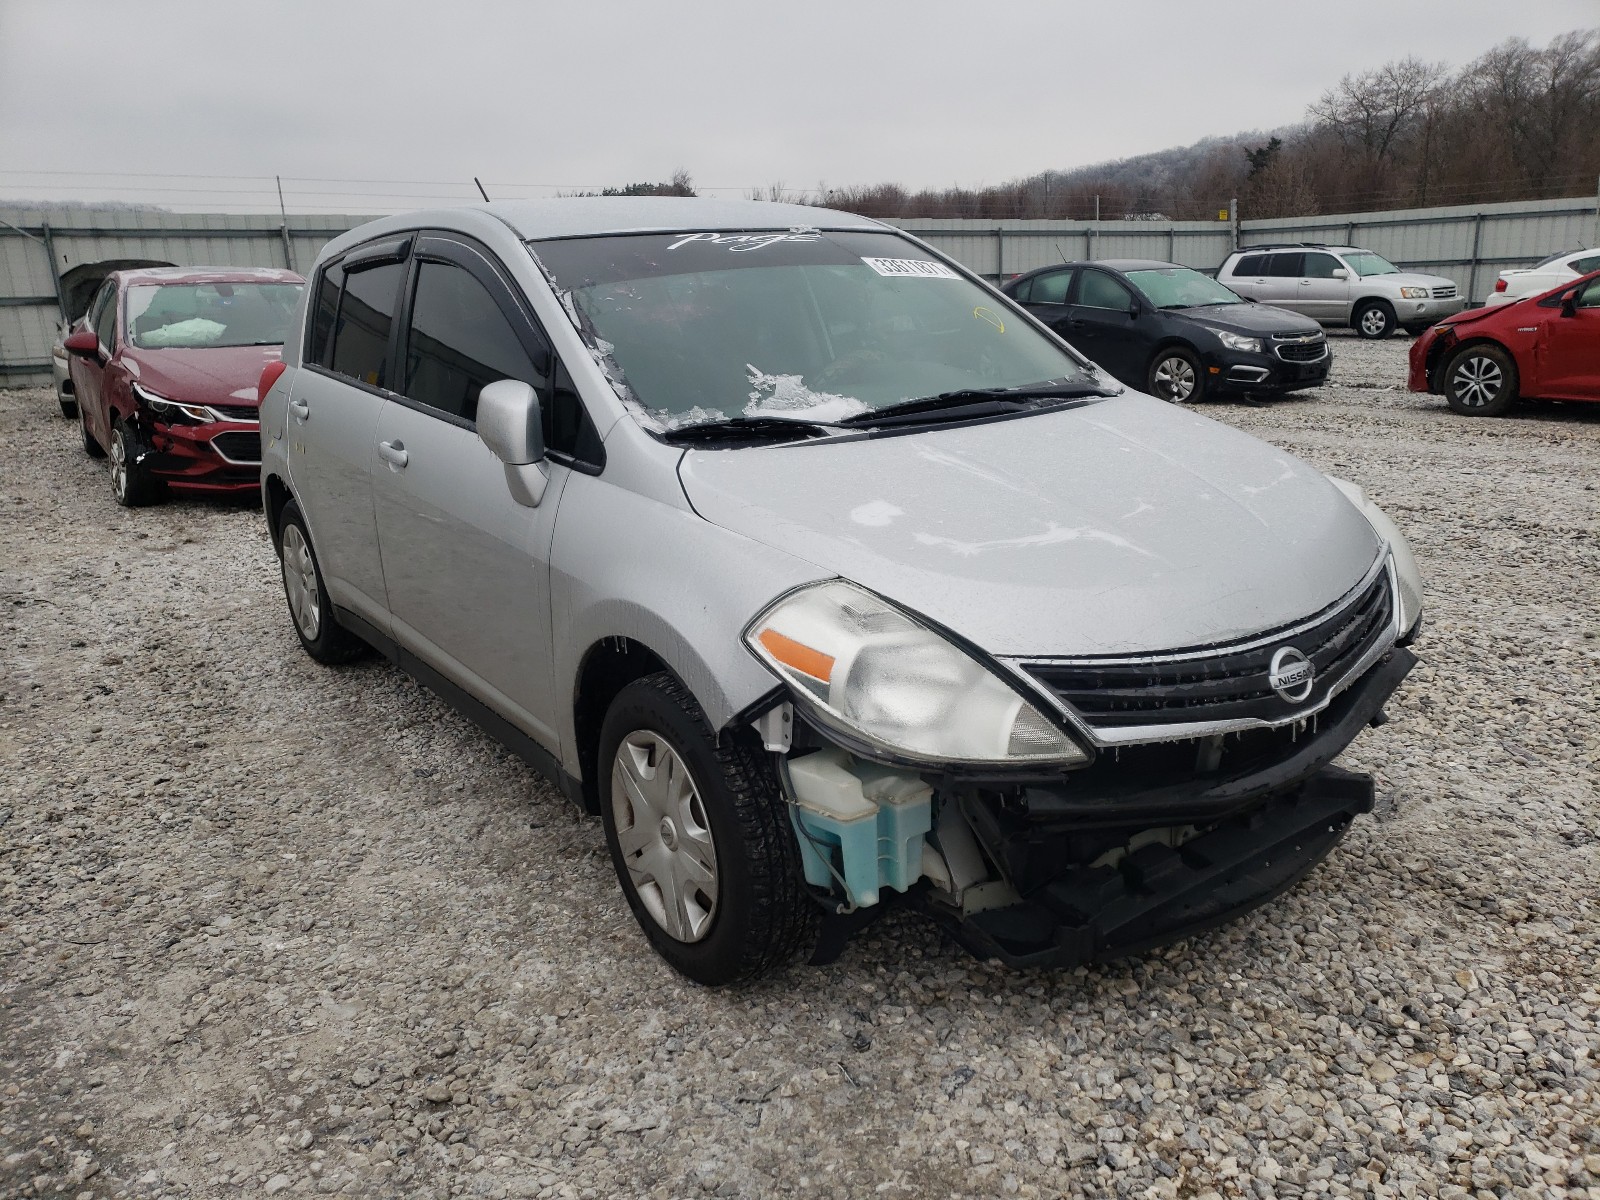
point(1121, 526)
point(1407, 279)
point(219, 375)
point(1254, 319)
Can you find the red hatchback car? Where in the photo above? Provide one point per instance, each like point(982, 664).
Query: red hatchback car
point(1545, 346)
point(165, 365)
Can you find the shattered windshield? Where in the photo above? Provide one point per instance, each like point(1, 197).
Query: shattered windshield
point(194, 316)
point(800, 325)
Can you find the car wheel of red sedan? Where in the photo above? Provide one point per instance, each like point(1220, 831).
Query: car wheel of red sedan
point(131, 481)
point(1481, 381)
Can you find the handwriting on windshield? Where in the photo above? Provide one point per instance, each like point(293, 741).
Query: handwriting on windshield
point(738, 243)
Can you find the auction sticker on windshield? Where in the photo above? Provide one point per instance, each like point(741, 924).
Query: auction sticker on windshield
point(910, 268)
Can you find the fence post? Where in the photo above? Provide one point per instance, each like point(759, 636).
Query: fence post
point(55, 271)
point(1597, 211)
point(1000, 253)
point(1172, 243)
point(1477, 241)
point(1233, 220)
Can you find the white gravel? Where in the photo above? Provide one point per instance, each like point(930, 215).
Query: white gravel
point(267, 928)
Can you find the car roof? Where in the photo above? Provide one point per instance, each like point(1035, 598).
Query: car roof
point(1139, 264)
point(207, 275)
point(580, 216)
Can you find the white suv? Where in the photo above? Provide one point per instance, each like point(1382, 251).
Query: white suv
point(1341, 285)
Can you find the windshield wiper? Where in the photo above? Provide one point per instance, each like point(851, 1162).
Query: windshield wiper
point(974, 402)
point(746, 429)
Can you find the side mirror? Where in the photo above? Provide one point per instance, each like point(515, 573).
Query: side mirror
point(1135, 309)
point(509, 424)
point(1569, 303)
point(1340, 273)
point(84, 344)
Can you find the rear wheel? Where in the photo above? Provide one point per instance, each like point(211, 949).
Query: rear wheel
point(1481, 381)
point(700, 837)
point(68, 403)
point(323, 638)
point(131, 481)
point(1176, 376)
point(1374, 319)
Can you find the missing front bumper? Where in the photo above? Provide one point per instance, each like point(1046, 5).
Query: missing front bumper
point(1159, 895)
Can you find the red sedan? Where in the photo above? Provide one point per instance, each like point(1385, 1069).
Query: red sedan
point(165, 366)
point(1545, 346)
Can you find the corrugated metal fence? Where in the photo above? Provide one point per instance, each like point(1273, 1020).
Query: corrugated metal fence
point(40, 248)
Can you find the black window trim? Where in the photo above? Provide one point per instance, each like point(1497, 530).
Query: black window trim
point(464, 251)
point(1070, 269)
point(1132, 293)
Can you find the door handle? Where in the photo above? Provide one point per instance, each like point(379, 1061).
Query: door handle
point(1305, 283)
point(393, 453)
point(299, 410)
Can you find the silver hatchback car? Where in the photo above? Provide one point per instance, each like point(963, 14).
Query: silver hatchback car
point(828, 577)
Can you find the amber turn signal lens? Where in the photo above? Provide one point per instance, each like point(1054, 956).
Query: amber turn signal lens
point(795, 654)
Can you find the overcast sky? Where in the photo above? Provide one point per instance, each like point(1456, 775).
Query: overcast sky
point(607, 92)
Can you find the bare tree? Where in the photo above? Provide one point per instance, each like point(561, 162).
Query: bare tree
point(1375, 110)
point(1541, 102)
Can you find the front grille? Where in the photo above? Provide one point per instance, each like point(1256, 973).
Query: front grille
point(1303, 351)
point(1219, 683)
point(240, 447)
point(237, 412)
point(1445, 293)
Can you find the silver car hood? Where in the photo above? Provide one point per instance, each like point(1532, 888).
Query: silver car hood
point(1412, 279)
point(1122, 526)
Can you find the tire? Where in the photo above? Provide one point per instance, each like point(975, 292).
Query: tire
point(725, 835)
point(1176, 376)
point(1418, 330)
point(69, 404)
point(131, 482)
point(320, 633)
point(1480, 381)
point(1374, 320)
point(90, 446)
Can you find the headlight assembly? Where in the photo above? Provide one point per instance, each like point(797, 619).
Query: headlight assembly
point(873, 673)
point(1413, 293)
point(1237, 341)
point(172, 412)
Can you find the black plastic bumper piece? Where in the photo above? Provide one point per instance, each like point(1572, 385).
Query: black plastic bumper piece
point(1159, 895)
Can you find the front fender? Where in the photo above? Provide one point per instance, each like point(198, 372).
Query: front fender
point(628, 565)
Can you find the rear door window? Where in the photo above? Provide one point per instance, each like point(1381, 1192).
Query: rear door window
point(324, 309)
point(1250, 264)
point(1283, 265)
point(1051, 288)
point(361, 332)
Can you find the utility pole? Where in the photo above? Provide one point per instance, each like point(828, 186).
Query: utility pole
point(283, 229)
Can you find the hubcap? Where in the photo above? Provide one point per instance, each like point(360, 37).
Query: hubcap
point(1174, 380)
point(119, 465)
point(1373, 321)
point(1478, 381)
point(664, 836)
point(300, 583)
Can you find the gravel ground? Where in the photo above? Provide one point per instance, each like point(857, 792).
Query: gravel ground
point(269, 928)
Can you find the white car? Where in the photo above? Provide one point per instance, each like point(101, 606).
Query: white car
point(1542, 276)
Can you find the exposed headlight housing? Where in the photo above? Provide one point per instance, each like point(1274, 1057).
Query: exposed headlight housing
point(1413, 293)
point(172, 412)
point(1237, 341)
point(900, 691)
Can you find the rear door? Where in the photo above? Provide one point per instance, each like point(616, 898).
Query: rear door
point(1248, 276)
point(88, 374)
point(467, 568)
point(1280, 280)
point(1570, 352)
point(332, 419)
point(1045, 296)
point(1321, 296)
point(1103, 326)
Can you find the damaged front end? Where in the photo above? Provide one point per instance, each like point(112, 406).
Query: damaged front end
point(1206, 789)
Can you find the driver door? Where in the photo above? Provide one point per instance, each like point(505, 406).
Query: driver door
point(88, 374)
point(466, 567)
point(1571, 368)
point(1103, 326)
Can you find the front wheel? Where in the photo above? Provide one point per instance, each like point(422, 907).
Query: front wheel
point(1481, 381)
point(1176, 376)
point(700, 837)
point(1374, 320)
point(131, 481)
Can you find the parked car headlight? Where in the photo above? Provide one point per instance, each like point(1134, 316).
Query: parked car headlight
point(172, 412)
point(1237, 341)
point(869, 670)
point(1413, 293)
point(1407, 577)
